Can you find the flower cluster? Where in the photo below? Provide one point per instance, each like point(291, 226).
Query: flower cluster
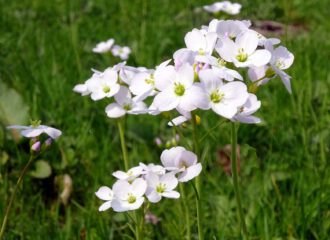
point(151, 182)
point(116, 50)
point(206, 74)
point(225, 6)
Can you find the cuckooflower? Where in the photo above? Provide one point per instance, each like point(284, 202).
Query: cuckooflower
point(223, 98)
point(103, 85)
point(106, 194)
point(121, 52)
point(161, 186)
point(243, 51)
point(178, 90)
point(104, 47)
point(130, 175)
point(152, 168)
point(179, 160)
point(35, 129)
point(128, 196)
point(225, 6)
point(124, 104)
point(245, 112)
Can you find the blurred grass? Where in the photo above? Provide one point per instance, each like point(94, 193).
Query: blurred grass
point(45, 49)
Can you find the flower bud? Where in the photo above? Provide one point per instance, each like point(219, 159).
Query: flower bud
point(48, 142)
point(36, 147)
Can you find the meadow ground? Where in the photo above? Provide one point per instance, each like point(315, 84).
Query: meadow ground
point(45, 49)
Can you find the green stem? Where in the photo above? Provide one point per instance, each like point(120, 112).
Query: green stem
point(197, 180)
point(20, 179)
point(138, 226)
point(186, 211)
point(123, 143)
point(235, 179)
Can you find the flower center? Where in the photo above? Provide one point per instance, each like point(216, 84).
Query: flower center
point(151, 80)
point(216, 97)
point(221, 62)
point(279, 64)
point(127, 107)
point(106, 89)
point(161, 187)
point(242, 56)
point(201, 52)
point(35, 123)
point(131, 199)
point(183, 165)
point(179, 89)
point(270, 72)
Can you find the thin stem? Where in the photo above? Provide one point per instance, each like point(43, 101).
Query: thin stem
point(197, 180)
point(235, 179)
point(186, 211)
point(20, 179)
point(138, 226)
point(123, 143)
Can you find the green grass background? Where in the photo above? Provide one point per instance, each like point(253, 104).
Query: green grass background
point(45, 49)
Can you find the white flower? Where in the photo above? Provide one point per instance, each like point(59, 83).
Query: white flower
point(243, 52)
point(179, 160)
point(121, 52)
point(128, 196)
point(103, 47)
point(124, 104)
point(229, 28)
point(223, 98)
point(103, 85)
point(35, 129)
point(130, 175)
point(281, 59)
point(178, 90)
point(245, 112)
point(106, 194)
point(161, 186)
point(225, 6)
point(152, 168)
point(200, 43)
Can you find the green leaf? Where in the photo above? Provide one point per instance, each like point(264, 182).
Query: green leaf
point(42, 170)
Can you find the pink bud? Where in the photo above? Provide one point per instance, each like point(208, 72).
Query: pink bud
point(158, 141)
point(48, 142)
point(36, 146)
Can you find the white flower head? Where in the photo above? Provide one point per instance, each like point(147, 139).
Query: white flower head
point(130, 175)
point(106, 194)
point(245, 112)
point(243, 51)
point(128, 196)
point(36, 129)
point(121, 52)
point(103, 85)
point(125, 104)
point(161, 186)
point(178, 90)
point(224, 6)
point(104, 47)
point(223, 98)
point(179, 160)
point(152, 168)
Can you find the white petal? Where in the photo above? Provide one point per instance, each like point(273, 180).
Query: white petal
point(53, 132)
point(227, 111)
point(195, 40)
point(169, 156)
point(114, 110)
point(120, 175)
point(166, 100)
point(177, 121)
point(190, 173)
point(169, 180)
point(226, 48)
point(123, 96)
point(31, 133)
point(164, 77)
point(260, 57)
point(105, 206)
point(139, 187)
point(154, 196)
point(248, 41)
point(104, 193)
point(247, 119)
point(171, 194)
point(121, 189)
point(185, 75)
